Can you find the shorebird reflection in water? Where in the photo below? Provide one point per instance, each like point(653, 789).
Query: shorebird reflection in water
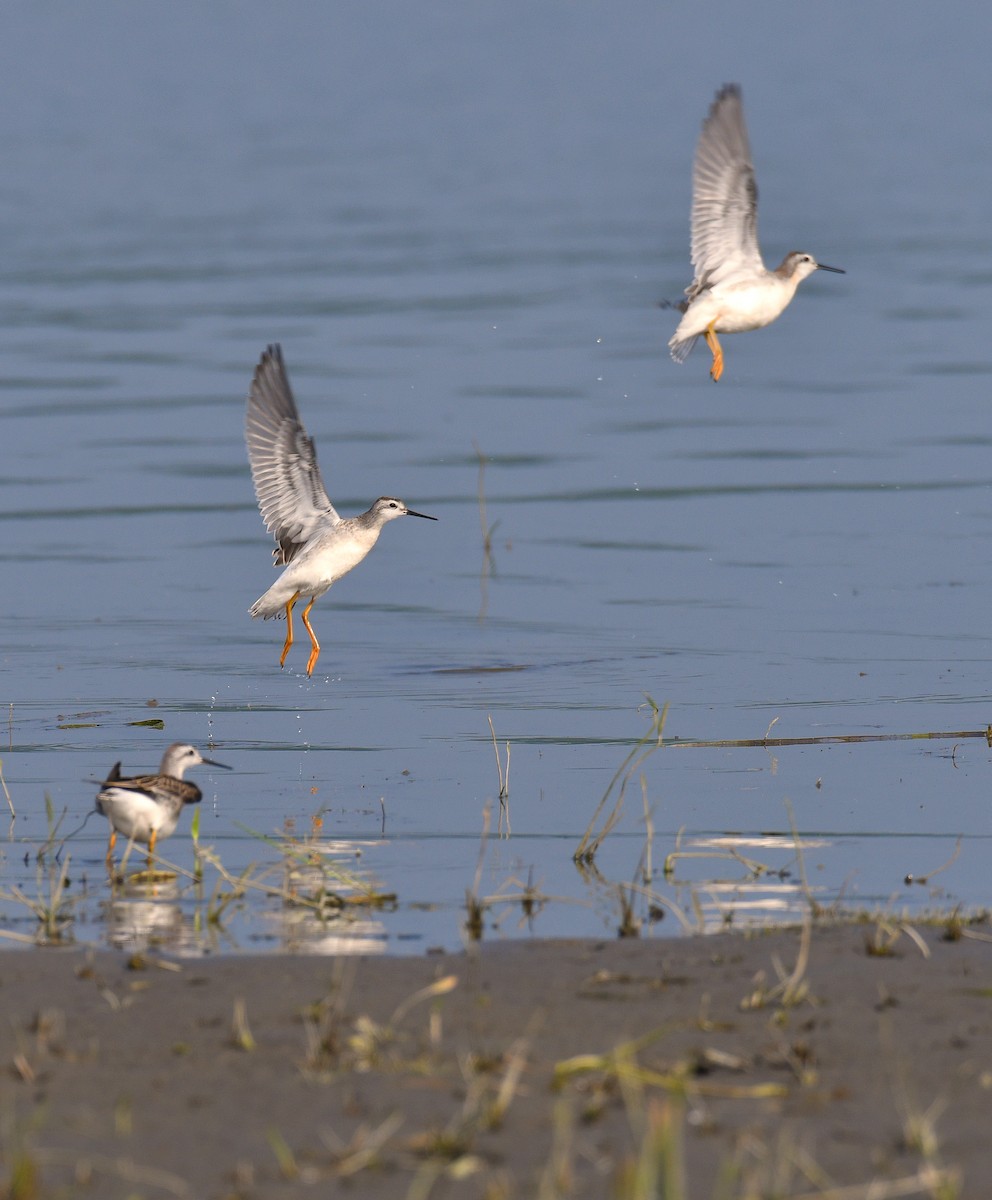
point(147, 807)
point(733, 291)
point(314, 543)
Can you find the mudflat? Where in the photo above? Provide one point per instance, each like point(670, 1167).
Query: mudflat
point(785, 1064)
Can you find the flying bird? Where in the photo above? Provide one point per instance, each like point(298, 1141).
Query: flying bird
point(314, 544)
point(733, 291)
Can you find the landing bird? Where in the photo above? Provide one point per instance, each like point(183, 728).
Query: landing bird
point(147, 807)
point(733, 291)
point(314, 543)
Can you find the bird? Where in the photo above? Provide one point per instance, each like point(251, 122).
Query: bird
point(313, 542)
point(733, 291)
point(147, 807)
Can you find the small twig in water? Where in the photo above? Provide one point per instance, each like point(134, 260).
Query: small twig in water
point(814, 906)
point(923, 880)
point(10, 803)
point(504, 783)
point(833, 739)
point(473, 903)
point(643, 749)
point(488, 562)
point(647, 864)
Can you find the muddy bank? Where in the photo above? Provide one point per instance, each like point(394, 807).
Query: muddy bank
point(461, 1075)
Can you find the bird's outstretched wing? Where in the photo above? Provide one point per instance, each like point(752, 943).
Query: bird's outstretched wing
point(724, 197)
point(290, 491)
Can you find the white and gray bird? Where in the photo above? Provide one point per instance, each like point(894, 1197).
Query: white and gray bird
point(145, 808)
point(733, 291)
point(313, 543)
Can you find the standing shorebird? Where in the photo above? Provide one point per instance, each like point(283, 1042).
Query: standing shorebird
point(147, 807)
point(733, 291)
point(314, 543)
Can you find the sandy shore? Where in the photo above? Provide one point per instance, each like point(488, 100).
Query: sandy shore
point(277, 1077)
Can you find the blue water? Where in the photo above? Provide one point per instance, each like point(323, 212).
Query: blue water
point(458, 221)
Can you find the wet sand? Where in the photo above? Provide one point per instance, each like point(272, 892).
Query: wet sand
point(278, 1077)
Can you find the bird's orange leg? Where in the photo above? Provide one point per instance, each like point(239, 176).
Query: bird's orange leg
point(717, 351)
point(151, 848)
point(315, 652)
point(110, 849)
point(289, 628)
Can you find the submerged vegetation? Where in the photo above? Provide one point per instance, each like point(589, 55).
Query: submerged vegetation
point(306, 887)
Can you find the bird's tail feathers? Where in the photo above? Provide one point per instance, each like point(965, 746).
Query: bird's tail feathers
point(681, 348)
point(266, 608)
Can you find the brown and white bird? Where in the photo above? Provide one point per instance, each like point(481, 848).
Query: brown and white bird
point(145, 808)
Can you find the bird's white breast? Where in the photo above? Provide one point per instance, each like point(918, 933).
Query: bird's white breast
point(739, 307)
point(136, 815)
point(332, 557)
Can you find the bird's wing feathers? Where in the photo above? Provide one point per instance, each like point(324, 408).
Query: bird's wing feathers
point(724, 197)
point(155, 787)
point(290, 491)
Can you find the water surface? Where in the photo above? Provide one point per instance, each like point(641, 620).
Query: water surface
point(458, 223)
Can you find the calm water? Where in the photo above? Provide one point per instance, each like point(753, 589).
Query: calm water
point(458, 222)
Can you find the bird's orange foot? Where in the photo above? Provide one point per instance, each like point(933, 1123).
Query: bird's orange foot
point(315, 651)
point(289, 630)
point(716, 350)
